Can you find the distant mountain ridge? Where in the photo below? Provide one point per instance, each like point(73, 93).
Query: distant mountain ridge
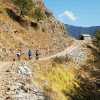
point(75, 31)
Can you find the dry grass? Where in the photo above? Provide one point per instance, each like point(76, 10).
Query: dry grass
point(56, 79)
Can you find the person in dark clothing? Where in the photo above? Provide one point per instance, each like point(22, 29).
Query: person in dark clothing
point(18, 54)
point(37, 54)
point(30, 54)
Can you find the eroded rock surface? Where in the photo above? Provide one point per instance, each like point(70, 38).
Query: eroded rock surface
point(17, 83)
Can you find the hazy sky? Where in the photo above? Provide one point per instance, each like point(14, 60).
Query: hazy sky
point(76, 12)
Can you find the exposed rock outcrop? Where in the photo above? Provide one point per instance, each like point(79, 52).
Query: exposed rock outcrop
point(16, 83)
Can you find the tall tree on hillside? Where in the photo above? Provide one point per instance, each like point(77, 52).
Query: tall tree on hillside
point(25, 6)
point(98, 34)
point(98, 37)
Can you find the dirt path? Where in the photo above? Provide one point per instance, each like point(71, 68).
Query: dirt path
point(63, 53)
point(74, 51)
point(5, 65)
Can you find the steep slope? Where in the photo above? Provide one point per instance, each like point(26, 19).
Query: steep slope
point(23, 32)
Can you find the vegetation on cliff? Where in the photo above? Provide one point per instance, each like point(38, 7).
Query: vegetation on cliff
point(25, 6)
point(98, 37)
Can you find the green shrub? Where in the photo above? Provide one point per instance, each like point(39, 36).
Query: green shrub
point(61, 60)
point(98, 34)
point(25, 6)
point(38, 14)
point(98, 37)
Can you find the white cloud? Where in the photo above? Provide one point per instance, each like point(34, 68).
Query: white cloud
point(69, 14)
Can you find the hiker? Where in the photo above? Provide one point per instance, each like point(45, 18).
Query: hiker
point(30, 54)
point(18, 54)
point(37, 54)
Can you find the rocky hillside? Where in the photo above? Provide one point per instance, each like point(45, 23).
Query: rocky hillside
point(69, 69)
point(24, 26)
